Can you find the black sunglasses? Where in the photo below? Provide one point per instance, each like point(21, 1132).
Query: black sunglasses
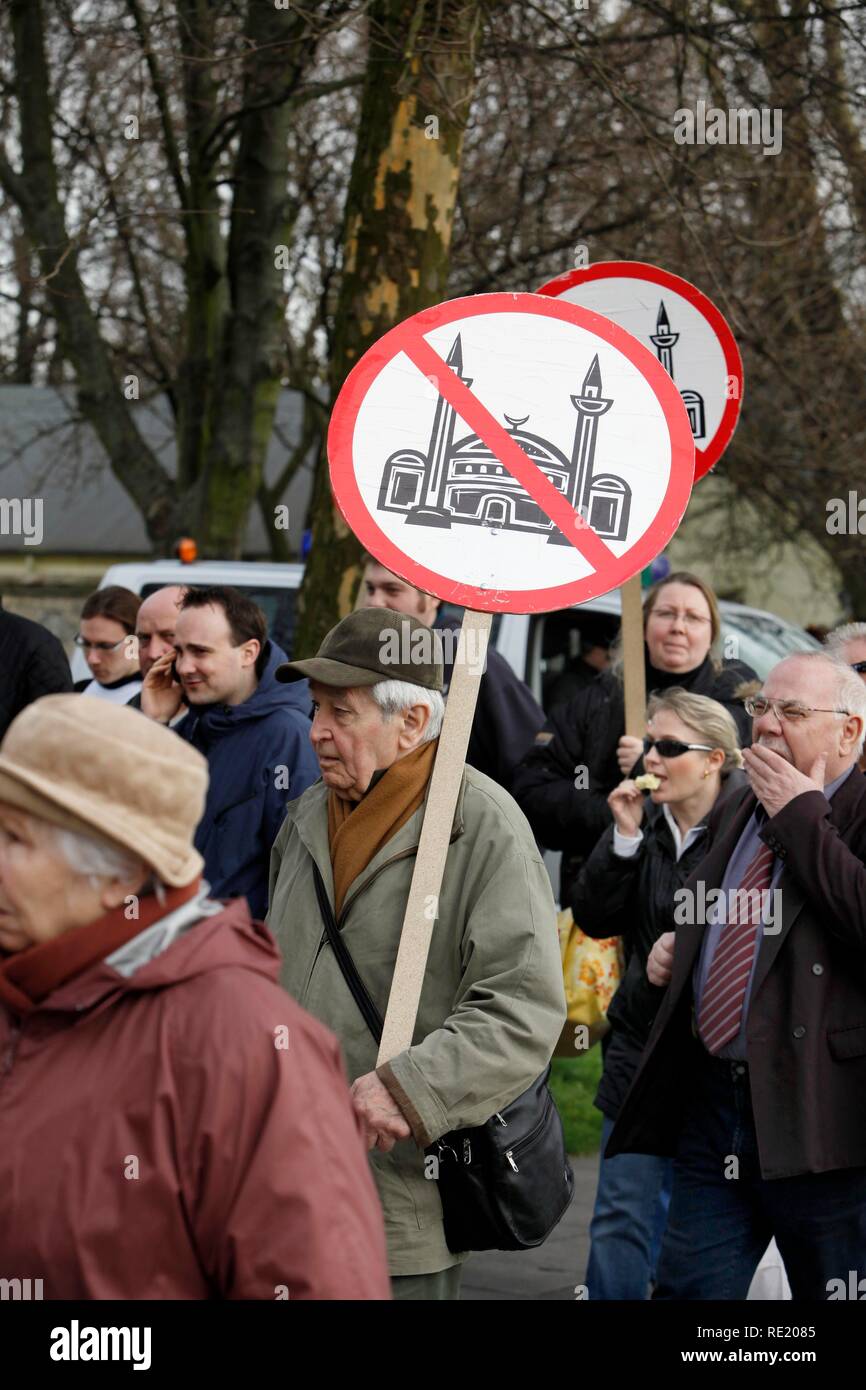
point(672, 748)
point(858, 666)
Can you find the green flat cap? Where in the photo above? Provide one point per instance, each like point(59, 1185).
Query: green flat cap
point(372, 645)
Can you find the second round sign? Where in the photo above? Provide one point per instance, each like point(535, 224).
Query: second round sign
point(511, 453)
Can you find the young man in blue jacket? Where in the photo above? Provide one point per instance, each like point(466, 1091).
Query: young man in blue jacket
point(254, 732)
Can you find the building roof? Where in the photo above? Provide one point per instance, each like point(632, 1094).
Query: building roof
point(45, 452)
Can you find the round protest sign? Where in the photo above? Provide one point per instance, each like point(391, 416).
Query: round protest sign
point(511, 452)
point(685, 330)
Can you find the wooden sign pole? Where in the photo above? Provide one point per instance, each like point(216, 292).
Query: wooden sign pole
point(634, 670)
point(422, 906)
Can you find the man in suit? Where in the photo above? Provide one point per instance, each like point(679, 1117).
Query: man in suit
point(754, 1076)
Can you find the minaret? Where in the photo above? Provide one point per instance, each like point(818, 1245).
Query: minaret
point(590, 406)
point(431, 509)
point(664, 341)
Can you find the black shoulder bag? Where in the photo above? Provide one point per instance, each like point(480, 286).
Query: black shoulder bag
point(505, 1184)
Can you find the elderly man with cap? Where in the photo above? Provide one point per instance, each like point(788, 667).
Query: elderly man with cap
point(172, 1124)
point(492, 1005)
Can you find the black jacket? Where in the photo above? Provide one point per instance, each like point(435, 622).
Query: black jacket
point(507, 716)
point(806, 1031)
point(584, 734)
point(32, 663)
point(634, 898)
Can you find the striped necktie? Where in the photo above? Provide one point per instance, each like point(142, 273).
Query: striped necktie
point(725, 989)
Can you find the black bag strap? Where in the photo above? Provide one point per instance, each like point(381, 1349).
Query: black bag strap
point(360, 994)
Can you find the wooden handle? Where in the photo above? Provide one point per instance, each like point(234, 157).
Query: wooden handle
point(423, 902)
point(634, 670)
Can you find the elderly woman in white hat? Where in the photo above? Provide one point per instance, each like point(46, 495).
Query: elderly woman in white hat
point(172, 1124)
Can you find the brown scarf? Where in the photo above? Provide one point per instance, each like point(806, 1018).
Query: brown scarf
point(29, 976)
point(357, 830)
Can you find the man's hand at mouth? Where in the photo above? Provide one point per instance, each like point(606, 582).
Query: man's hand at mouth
point(775, 781)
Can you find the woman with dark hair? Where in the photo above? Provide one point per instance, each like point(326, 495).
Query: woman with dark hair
point(106, 635)
point(580, 755)
point(626, 889)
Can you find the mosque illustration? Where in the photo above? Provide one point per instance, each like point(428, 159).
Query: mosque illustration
point(464, 481)
point(664, 341)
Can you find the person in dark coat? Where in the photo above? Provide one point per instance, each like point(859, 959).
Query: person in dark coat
point(507, 715)
point(597, 636)
point(32, 663)
point(253, 730)
point(107, 639)
point(625, 889)
point(563, 782)
point(754, 1077)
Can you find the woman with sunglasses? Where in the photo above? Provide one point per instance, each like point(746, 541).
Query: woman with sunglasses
point(562, 784)
point(107, 637)
point(626, 888)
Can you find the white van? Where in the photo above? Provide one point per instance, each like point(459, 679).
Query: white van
point(537, 646)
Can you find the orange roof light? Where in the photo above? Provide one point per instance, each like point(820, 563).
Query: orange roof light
point(186, 550)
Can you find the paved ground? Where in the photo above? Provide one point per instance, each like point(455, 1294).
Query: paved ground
point(549, 1272)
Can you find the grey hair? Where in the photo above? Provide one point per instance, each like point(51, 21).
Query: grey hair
point(836, 641)
point(94, 857)
point(850, 693)
point(393, 697)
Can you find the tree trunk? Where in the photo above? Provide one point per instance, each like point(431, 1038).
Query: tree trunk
point(249, 370)
point(207, 299)
point(419, 83)
point(26, 339)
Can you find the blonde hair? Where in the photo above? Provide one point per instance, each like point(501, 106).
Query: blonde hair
point(707, 718)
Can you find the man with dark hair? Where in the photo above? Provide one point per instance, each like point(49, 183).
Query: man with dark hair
point(32, 663)
point(507, 716)
point(106, 635)
point(253, 731)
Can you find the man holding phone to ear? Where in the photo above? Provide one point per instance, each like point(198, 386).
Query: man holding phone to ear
point(253, 730)
point(154, 628)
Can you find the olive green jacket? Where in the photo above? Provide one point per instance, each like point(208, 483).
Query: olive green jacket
point(492, 1006)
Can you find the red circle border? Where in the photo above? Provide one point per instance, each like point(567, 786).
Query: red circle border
point(361, 522)
point(705, 459)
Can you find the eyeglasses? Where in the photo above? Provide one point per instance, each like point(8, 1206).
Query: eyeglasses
point(672, 748)
point(86, 646)
point(790, 710)
point(858, 666)
point(669, 615)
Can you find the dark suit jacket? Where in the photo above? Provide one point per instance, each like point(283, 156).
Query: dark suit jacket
point(806, 1033)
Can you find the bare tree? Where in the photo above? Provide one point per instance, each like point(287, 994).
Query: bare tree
point(419, 84)
point(224, 96)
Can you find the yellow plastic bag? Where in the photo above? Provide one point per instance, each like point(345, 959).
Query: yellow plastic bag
point(591, 972)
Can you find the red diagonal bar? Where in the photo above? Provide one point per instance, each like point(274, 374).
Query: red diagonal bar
point(509, 453)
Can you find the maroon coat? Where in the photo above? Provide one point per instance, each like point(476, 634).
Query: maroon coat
point(156, 1142)
point(806, 1032)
